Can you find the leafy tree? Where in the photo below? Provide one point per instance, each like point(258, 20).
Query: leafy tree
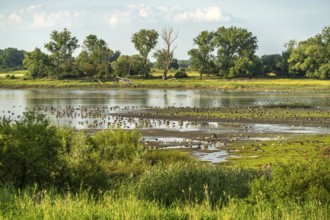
point(122, 66)
point(37, 63)
point(273, 63)
point(242, 67)
point(29, 151)
point(235, 46)
point(130, 65)
point(138, 66)
point(311, 57)
point(202, 57)
point(165, 55)
point(61, 46)
point(144, 41)
point(11, 59)
point(290, 45)
point(95, 58)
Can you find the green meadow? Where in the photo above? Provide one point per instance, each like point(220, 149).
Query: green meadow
point(17, 79)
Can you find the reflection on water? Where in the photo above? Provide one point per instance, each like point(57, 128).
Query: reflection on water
point(153, 97)
point(92, 109)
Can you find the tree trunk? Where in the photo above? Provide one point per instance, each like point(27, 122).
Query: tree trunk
point(165, 74)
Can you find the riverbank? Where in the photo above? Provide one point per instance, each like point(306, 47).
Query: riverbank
point(18, 81)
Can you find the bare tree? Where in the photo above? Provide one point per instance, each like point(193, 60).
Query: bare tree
point(165, 55)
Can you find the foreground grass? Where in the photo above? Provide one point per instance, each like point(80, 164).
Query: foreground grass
point(209, 82)
point(34, 204)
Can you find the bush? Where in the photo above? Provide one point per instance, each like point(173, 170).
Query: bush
point(100, 160)
point(297, 182)
point(184, 182)
point(180, 73)
point(12, 76)
point(29, 151)
point(117, 144)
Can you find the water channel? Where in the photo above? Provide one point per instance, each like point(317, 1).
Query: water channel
point(92, 109)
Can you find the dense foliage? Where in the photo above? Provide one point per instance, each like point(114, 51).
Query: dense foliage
point(311, 58)
point(225, 52)
point(32, 150)
point(11, 59)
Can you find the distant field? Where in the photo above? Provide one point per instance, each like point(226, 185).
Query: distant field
point(192, 82)
point(18, 73)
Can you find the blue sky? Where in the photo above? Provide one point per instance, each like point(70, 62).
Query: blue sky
point(26, 24)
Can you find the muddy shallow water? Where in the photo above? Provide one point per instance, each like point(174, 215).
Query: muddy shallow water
point(101, 109)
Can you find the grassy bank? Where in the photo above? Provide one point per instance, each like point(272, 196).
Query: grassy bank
point(209, 82)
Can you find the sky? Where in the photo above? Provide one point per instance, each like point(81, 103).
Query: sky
point(27, 24)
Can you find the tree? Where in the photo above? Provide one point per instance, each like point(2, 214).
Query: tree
point(11, 59)
point(273, 63)
point(37, 63)
point(311, 57)
point(138, 66)
point(144, 41)
point(95, 58)
point(202, 57)
point(289, 46)
point(61, 47)
point(165, 55)
point(122, 66)
point(235, 46)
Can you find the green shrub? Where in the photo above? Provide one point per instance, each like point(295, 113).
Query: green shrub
point(166, 157)
point(297, 182)
point(117, 144)
point(12, 76)
point(180, 73)
point(29, 151)
point(183, 182)
point(98, 161)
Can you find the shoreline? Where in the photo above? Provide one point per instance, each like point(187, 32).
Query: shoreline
point(262, 85)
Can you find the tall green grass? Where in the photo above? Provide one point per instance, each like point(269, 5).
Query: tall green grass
point(41, 204)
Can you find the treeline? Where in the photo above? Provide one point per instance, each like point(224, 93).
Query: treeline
point(11, 59)
point(225, 52)
point(230, 52)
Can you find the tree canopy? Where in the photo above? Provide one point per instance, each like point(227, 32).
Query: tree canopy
point(95, 58)
point(312, 57)
point(226, 52)
point(11, 59)
point(37, 63)
point(203, 57)
point(144, 41)
point(235, 50)
point(61, 46)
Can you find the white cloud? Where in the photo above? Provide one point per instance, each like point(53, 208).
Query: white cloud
point(130, 14)
point(37, 16)
point(143, 10)
point(141, 13)
point(210, 14)
point(15, 18)
point(120, 17)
